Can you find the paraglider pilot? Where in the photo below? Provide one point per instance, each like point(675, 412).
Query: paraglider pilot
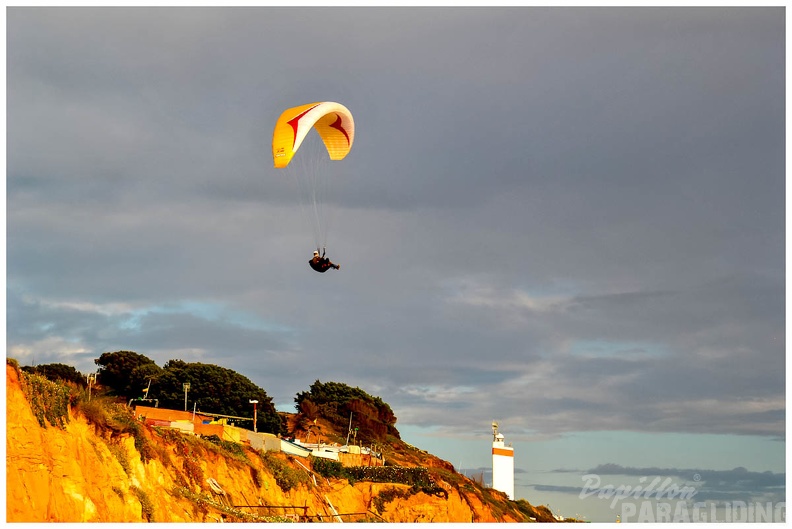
point(321, 264)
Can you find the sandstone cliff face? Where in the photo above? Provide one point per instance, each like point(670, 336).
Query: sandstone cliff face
point(79, 474)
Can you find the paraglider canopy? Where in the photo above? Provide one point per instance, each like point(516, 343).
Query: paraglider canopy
point(311, 168)
point(332, 121)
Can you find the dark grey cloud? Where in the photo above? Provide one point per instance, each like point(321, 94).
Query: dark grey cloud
point(579, 210)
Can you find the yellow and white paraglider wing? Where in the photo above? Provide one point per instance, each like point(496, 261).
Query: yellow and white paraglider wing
point(332, 121)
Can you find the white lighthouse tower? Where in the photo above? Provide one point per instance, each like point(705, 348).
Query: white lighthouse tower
point(502, 464)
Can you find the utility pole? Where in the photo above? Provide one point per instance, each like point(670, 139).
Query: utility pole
point(349, 428)
point(254, 402)
point(186, 387)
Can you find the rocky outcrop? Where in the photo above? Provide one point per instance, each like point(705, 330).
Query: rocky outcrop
point(83, 473)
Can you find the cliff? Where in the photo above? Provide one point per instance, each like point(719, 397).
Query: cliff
point(93, 470)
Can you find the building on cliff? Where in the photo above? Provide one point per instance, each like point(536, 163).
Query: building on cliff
point(502, 464)
point(205, 424)
point(208, 424)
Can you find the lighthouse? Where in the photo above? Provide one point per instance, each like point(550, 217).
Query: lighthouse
point(502, 464)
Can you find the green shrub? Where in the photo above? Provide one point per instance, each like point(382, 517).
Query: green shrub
point(415, 476)
point(328, 468)
point(256, 476)
point(48, 400)
point(145, 503)
point(191, 450)
point(192, 468)
point(95, 412)
point(107, 415)
point(229, 448)
point(120, 455)
point(124, 421)
point(286, 477)
point(387, 496)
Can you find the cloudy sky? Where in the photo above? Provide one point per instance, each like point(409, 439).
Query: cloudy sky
point(569, 220)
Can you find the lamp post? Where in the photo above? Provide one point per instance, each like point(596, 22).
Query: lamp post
point(186, 387)
point(254, 402)
point(91, 382)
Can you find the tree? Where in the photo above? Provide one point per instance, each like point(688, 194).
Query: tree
point(126, 373)
point(336, 401)
point(140, 378)
point(215, 389)
point(56, 372)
